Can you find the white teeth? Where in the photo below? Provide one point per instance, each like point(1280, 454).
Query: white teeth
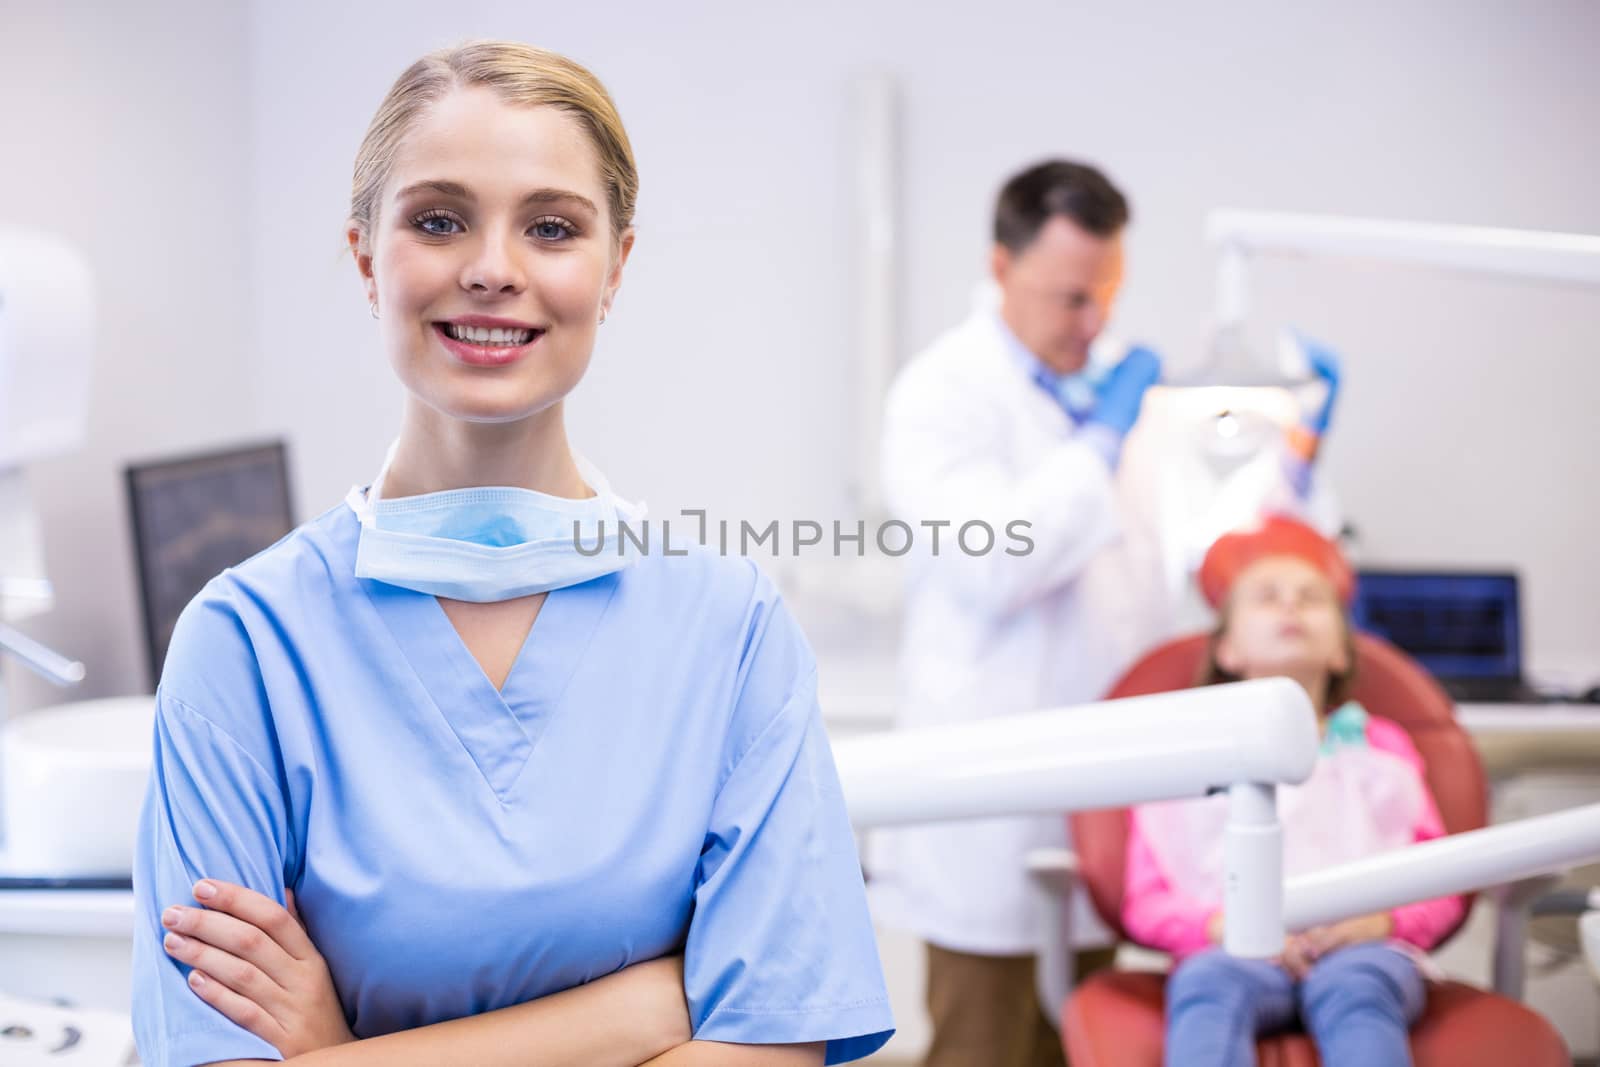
point(479, 335)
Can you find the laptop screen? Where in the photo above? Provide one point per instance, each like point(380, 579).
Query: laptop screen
point(1456, 624)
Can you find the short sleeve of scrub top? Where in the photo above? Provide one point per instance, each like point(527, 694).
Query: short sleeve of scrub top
point(651, 778)
point(768, 921)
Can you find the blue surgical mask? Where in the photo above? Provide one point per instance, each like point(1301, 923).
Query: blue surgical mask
point(491, 543)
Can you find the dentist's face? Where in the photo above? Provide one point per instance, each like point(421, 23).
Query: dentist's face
point(492, 257)
point(1283, 618)
point(1056, 294)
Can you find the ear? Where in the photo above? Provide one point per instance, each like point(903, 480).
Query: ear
point(1227, 656)
point(618, 261)
point(999, 262)
point(1343, 656)
point(361, 250)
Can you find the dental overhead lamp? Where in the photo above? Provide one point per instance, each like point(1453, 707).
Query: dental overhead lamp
point(1209, 460)
point(1241, 237)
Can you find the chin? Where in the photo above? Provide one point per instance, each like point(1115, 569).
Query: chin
point(493, 405)
point(1293, 667)
point(1071, 362)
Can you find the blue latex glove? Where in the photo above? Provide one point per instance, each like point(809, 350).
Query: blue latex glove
point(1325, 365)
point(1122, 392)
point(1305, 440)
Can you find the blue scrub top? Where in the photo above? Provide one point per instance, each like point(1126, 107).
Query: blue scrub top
point(653, 777)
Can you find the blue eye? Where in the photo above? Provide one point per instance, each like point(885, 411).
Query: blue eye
point(425, 221)
point(552, 229)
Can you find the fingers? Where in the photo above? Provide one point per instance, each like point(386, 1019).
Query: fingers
point(240, 1009)
point(233, 936)
point(1295, 958)
point(239, 976)
point(1141, 365)
point(1325, 362)
point(261, 912)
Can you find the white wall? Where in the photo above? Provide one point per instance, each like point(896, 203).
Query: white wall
point(724, 375)
point(122, 128)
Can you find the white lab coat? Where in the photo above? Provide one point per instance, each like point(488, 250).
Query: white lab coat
point(969, 435)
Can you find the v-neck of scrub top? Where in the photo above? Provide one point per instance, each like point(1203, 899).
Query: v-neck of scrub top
point(499, 728)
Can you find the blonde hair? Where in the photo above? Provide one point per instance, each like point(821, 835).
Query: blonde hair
point(519, 74)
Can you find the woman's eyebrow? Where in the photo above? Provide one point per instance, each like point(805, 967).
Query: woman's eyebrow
point(456, 189)
point(556, 196)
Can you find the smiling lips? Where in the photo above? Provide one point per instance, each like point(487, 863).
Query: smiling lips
point(485, 342)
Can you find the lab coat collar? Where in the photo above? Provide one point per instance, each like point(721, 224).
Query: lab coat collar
point(1021, 356)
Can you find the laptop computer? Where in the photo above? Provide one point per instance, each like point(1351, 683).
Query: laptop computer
point(1463, 627)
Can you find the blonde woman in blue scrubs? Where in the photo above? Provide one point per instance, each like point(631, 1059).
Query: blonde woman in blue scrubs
point(530, 805)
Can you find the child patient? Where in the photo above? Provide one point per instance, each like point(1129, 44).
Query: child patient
point(1356, 985)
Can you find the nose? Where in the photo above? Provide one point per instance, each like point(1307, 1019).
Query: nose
point(496, 267)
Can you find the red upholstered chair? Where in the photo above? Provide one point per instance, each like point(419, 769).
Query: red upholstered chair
point(1115, 1019)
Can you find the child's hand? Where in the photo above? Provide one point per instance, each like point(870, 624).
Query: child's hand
point(1214, 927)
point(1302, 951)
point(1321, 940)
point(1296, 957)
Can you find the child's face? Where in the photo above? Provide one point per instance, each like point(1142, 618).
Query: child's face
point(1283, 617)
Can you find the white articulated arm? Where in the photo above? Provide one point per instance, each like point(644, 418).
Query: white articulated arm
point(1459, 863)
point(1104, 755)
point(1536, 255)
point(1248, 736)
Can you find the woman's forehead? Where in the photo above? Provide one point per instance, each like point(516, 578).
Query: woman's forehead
point(473, 138)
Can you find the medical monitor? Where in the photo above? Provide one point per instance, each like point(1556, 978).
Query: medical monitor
point(1459, 625)
point(196, 516)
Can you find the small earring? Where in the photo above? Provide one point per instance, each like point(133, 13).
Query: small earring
point(602, 316)
point(374, 309)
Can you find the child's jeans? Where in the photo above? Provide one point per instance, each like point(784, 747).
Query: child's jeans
point(1358, 1004)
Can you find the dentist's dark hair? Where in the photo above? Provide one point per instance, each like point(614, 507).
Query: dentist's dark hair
point(1057, 187)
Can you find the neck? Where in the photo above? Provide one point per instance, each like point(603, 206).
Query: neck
point(437, 452)
point(1007, 320)
point(1004, 314)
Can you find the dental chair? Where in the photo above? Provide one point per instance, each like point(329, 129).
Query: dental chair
point(1116, 1018)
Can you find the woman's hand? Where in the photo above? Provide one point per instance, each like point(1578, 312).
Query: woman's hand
point(255, 964)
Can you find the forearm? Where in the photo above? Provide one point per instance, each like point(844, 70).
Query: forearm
point(618, 1020)
point(1154, 914)
point(1425, 923)
point(720, 1054)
